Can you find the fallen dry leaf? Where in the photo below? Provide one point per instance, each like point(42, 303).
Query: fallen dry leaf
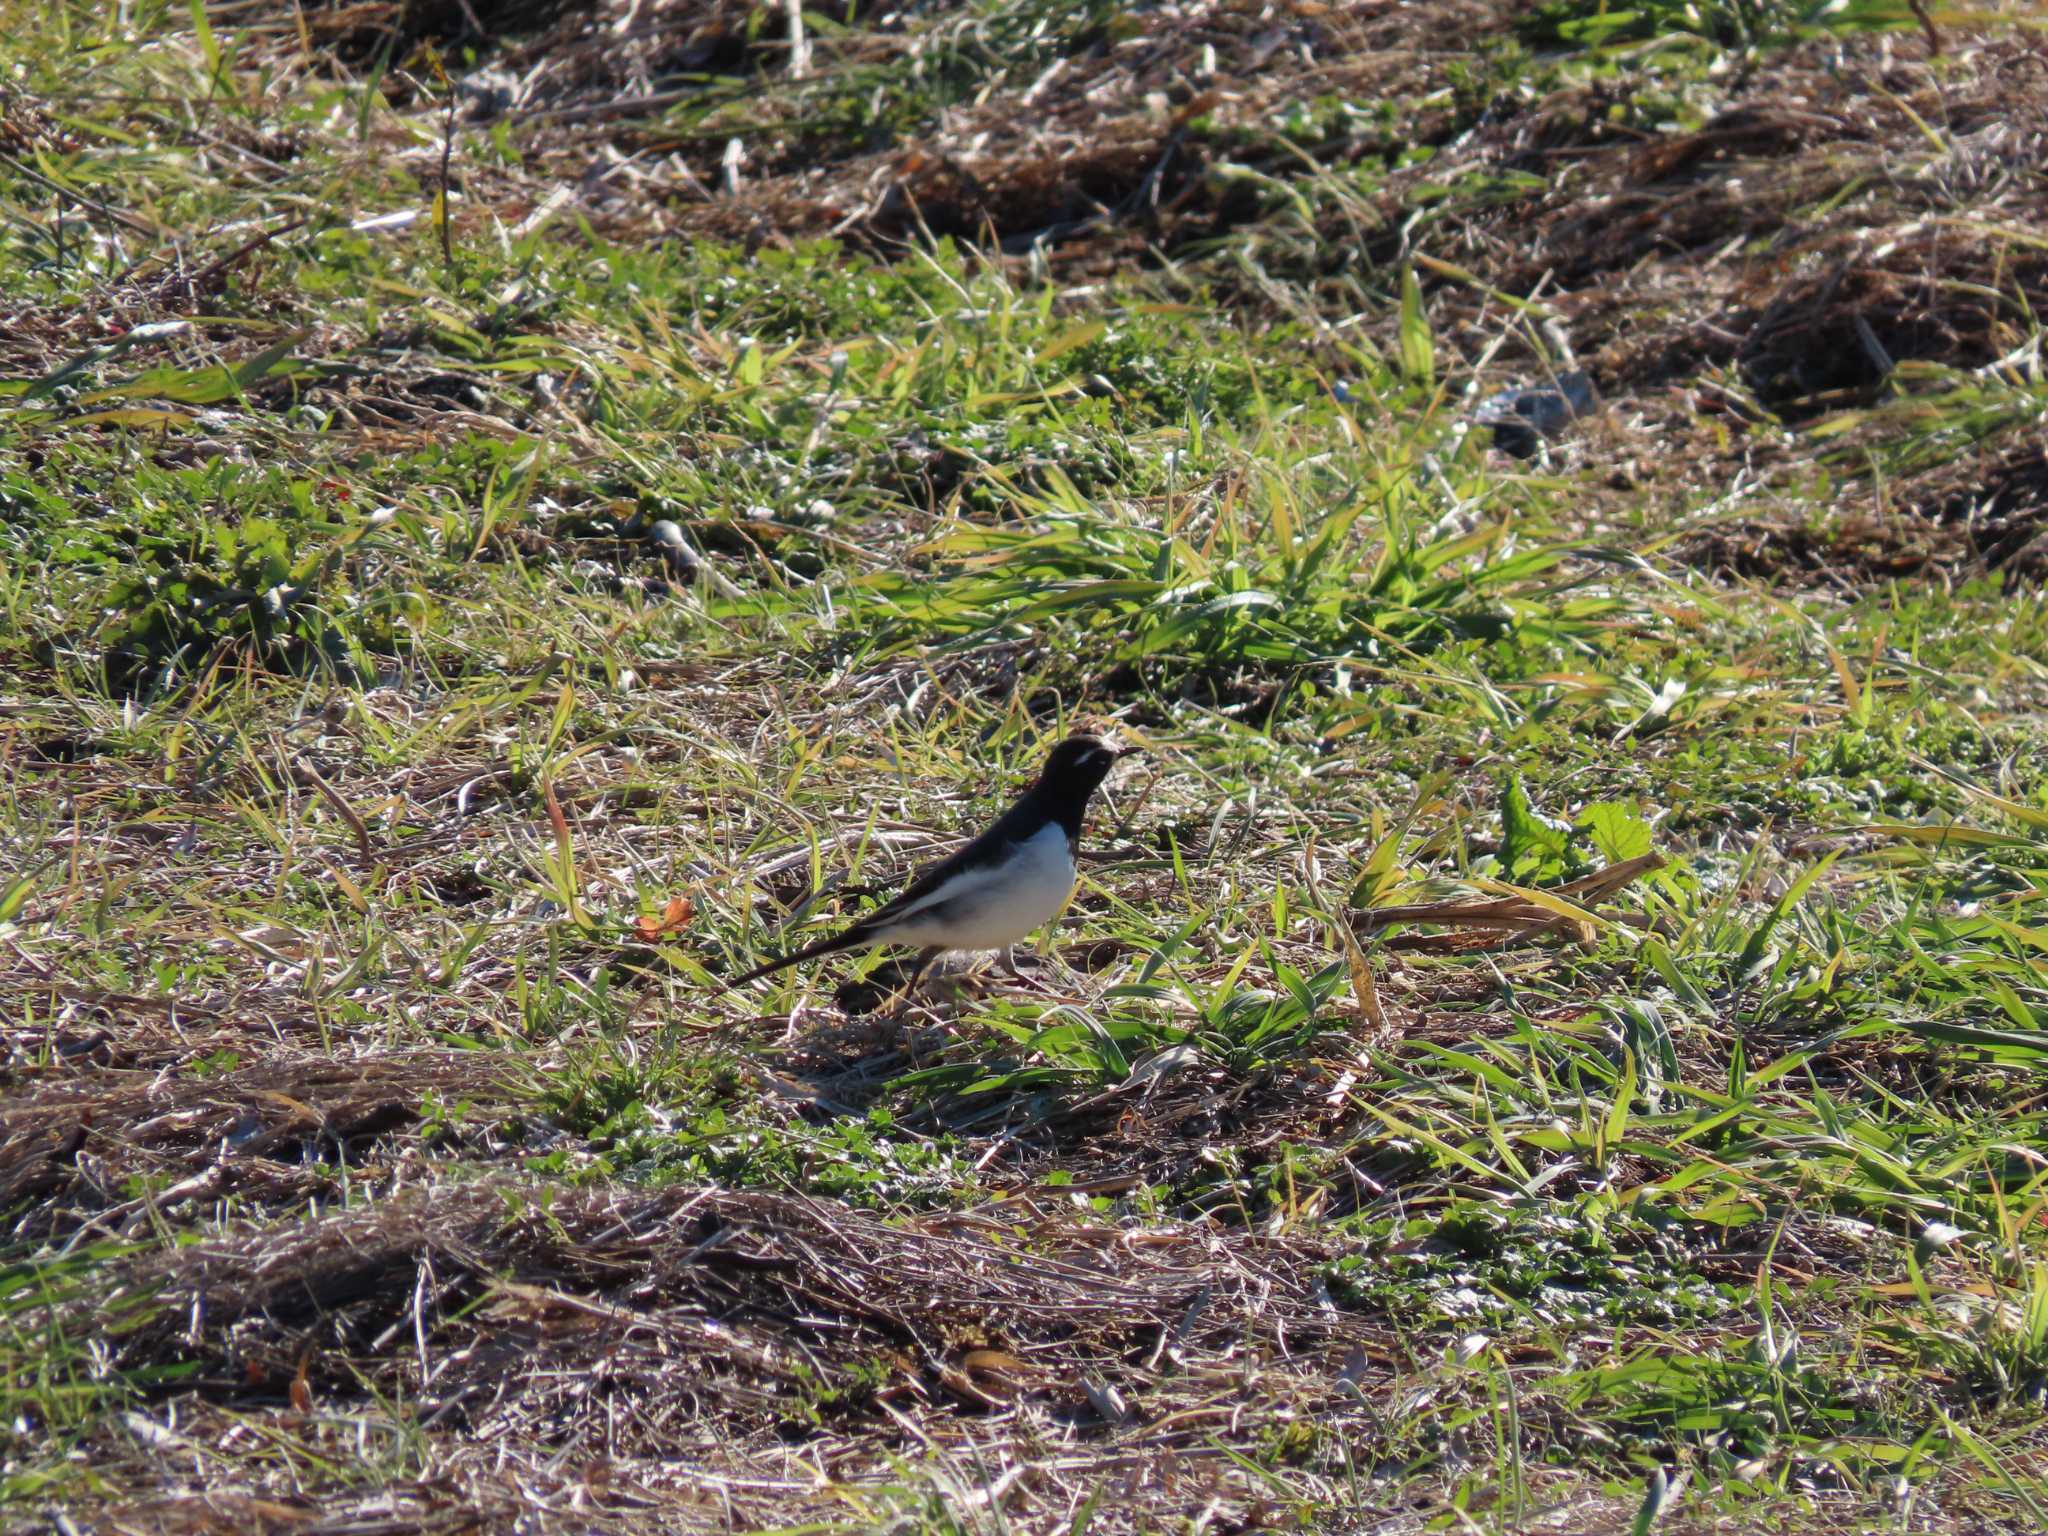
point(649, 929)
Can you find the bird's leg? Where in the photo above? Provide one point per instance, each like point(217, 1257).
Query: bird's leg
point(1033, 979)
point(918, 967)
point(925, 957)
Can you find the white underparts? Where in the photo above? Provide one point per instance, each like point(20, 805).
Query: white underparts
point(994, 905)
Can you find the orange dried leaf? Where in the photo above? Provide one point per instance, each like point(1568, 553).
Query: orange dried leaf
point(676, 916)
point(992, 1360)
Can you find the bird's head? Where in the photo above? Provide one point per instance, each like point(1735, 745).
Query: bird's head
point(1079, 764)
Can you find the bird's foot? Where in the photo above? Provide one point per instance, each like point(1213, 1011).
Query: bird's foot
point(1031, 977)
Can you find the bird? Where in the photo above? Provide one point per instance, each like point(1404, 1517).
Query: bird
point(1525, 415)
point(1012, 879)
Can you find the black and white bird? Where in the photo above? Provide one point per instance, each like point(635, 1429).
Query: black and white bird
point(1008, 882)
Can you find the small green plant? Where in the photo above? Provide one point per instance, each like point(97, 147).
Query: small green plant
point(1555, 1268)
point(1726, 23)
point(252, 587)
point(1273, 586)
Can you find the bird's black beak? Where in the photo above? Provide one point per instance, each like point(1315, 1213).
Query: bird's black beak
point(1131, 752)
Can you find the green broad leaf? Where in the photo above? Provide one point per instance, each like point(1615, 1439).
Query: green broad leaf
point(1177, 628)
point(1624, 1094)
point(201, 386)
point(203, 30)
point(1618, 832)
point(1526, 841)
point(2013, 1045)
point(1088, 594)
point(1076, 336)
point(1951, 835)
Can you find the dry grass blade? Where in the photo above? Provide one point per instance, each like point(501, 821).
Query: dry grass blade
point(1522, 915)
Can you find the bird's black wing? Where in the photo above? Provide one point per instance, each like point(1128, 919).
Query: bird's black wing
point(1010, 827)
point(985, 849)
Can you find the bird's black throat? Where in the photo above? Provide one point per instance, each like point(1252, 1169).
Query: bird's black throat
point(1065, 805)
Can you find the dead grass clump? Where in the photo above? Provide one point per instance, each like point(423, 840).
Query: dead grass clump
point(1860, 236)
point(723, 1328)
point(605, 59)
point(275, 1133)
point(1942, 292)
point(1083, 141)
point(1848, 204)
point(575, 60)
point(1995, 504)
point(1851, 552)
point(402, 1511)
point(362, 33)
point(1862, 215)
point(1102, 144)
point(1968, 512)
point(26, 128)
point(1041, 199)
point(1741, 175)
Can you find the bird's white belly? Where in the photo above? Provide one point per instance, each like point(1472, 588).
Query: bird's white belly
point(991, 908)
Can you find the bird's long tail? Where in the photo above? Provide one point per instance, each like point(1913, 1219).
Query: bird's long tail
point(849, 939)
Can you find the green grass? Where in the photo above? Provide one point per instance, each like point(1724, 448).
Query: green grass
point(360, 737)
